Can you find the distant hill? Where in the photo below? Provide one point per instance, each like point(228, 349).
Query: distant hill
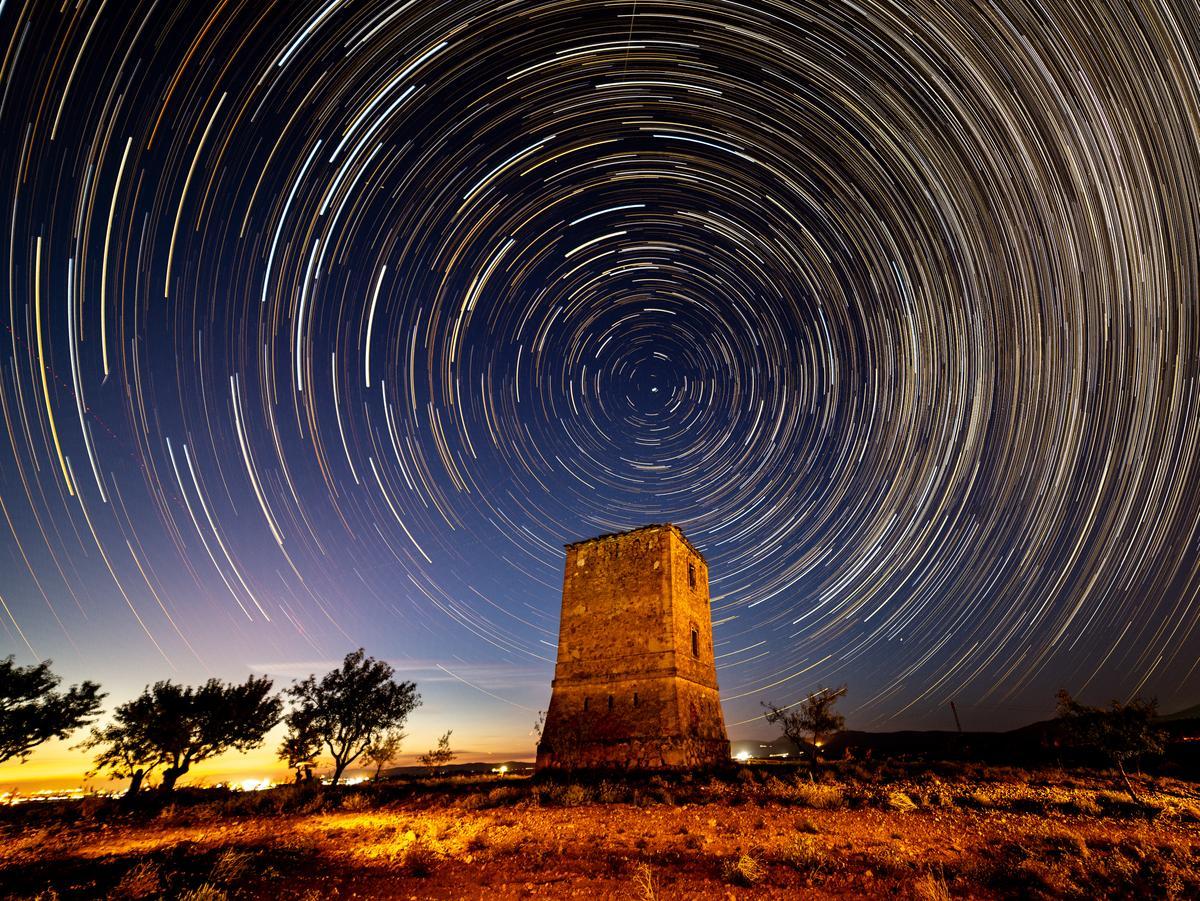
point(460, 769)
point(1188, 713)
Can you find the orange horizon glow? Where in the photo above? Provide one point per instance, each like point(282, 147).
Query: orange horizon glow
point(58, 765)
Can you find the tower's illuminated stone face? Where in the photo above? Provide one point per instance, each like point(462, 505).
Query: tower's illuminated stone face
point(636, 683)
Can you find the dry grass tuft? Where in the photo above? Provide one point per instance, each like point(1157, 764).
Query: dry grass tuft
point(887, 861)
point(805, 855)
point(932, 887)
point(818, 796)
point(1082, 804)
point(203, 892)
point(230, 866)
point(899, 801)
point(142, 881)
point(743, 870)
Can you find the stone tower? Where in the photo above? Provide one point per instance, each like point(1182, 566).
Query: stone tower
point(636, 684)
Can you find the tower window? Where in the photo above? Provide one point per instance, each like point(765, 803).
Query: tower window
point(610, 702)
point(695, 642)
point(585, 703)
point(692, 575)
point(635, 699)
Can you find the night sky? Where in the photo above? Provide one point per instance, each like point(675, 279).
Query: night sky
point(327, 324)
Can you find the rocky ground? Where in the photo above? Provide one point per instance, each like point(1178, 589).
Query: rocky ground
point(768, 832)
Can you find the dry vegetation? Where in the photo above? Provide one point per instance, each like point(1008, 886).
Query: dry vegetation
point(771, 831)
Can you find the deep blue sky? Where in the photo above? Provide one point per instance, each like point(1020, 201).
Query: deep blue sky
point(328, 323)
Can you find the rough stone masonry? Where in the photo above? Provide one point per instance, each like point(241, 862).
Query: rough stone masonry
point(635, 686)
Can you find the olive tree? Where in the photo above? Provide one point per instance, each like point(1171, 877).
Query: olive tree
point(176, 726)
point(301, 745)
point(348, 709)
point(436, 758)
point(384, 750)
point(125, 747)
point(1122, 733)
point(32, 711)
point(812, 720)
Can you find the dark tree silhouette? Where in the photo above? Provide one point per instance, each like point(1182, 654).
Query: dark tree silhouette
point(350, 707)
point(810, 722)
point(175, 726)
point(383, 750)
point(1122, 733)
point(125, 745)
point(32, 712)
point(301, 746)
point(436, 758)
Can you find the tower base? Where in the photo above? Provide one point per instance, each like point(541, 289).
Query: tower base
point(665, 753)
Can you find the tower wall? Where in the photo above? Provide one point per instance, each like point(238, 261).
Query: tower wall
point(632, 687)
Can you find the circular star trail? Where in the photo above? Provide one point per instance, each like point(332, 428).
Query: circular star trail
point(328, 323)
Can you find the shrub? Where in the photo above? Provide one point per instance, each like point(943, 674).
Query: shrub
point(743, 870)
point(1117, 805)
point(357, 802)
point(281, 799)
point(471, 801)
point(1186, 812)
point(574, 795)
point(611, 793)
point(778, 789)
point(644, 885)
point(419, 859)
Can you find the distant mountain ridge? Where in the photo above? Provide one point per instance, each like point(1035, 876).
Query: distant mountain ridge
point(1188, 713)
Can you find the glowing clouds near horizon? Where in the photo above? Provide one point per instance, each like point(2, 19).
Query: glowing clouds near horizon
point(331, 322)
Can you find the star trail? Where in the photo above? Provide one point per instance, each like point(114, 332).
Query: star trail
point(328, 323)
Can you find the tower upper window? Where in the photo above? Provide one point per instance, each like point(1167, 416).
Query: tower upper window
point(695, 642)
point(610, 702)
point(691, 575)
